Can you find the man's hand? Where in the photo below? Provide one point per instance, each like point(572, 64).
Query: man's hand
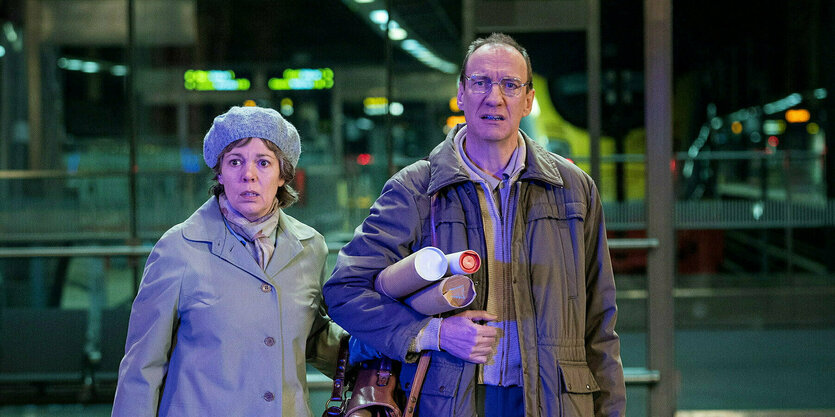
point(464, 339)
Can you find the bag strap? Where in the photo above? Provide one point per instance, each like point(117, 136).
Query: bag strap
point(337, 395)
point(425, 357)
point(417, 384)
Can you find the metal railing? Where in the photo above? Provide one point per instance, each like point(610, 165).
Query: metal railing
point(633, 375)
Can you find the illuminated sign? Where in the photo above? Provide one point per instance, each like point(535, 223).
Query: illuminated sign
point(797, 116)
point(303, 79)
point(376, 106)
point(287, 107)
point(774, 127)
point(214, 80)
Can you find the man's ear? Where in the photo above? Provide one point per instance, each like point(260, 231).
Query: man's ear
point(529, 101)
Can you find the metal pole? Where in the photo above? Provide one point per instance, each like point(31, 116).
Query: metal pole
point(32, 41)
point(389, 64)
point(593, 72)
point(130, 81)
point(660, 204)
point(468, 25)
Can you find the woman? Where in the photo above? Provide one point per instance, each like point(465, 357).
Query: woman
point(230, 305)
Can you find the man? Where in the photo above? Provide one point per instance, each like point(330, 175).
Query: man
point(539, 338)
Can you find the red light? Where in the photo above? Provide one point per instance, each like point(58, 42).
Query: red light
point(364, 158)
point(673, 165)
point(571, 160)
point(773, 141)
point(299, 184)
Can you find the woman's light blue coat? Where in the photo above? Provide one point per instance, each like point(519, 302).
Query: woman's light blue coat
point(212, 334)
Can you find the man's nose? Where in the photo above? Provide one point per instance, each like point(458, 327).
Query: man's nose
point(494, 94)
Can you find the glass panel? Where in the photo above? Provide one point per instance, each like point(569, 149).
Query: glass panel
point(754, 193)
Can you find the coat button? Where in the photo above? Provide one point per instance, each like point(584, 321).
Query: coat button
point(588, 387)
point(408, 385)
point(569, 386)
point(269, 341)
point(266, 288)
point(441, 388)
point(268, 396)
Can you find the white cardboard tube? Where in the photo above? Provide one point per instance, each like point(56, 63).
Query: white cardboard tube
point(447, 294)
point(412, 273)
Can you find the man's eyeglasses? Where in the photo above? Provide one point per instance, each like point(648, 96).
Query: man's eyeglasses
point(480, 84)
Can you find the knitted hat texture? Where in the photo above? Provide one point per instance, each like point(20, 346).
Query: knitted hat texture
point(251, 122)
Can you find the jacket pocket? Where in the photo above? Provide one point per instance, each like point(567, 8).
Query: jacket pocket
point(578, 385)
point(567, 211)
point(577, 378)
point(557, 230)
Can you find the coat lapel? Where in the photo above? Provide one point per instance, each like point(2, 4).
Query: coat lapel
point(288, 244)
point(237, 254)
point(206, 225)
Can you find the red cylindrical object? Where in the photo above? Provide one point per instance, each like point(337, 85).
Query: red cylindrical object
point(464, 262)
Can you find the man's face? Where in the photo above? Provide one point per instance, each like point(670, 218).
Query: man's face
point(493, 116)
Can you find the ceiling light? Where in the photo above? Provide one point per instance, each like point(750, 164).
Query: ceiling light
point(90, 67)
point(379, 17)
point(397, 34)
point(119, 70)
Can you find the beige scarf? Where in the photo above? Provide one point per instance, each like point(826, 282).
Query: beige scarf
point(257, 232)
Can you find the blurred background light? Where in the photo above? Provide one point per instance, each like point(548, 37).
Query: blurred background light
point(379, 17)
point(396, 109)
point(797, 115)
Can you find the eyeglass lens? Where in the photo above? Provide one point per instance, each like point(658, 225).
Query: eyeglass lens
point(509, 86)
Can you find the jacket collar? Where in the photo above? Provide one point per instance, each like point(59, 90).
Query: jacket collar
point(445, 169)
point(206, 225)
point(201, 226)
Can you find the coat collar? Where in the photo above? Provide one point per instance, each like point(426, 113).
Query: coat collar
point(206, 225)
point(445, 170)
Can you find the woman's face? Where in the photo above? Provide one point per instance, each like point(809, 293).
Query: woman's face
point(250, 175)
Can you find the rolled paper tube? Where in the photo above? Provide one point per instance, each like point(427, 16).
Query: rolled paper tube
point(464, 262)
point(452, 292)
point(412, 273)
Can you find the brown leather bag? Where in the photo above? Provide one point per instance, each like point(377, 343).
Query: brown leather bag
point(375, 391)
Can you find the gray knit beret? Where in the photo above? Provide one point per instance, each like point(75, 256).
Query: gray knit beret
point(251, 122)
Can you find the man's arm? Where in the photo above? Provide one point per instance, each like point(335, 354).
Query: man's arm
point(387, 235)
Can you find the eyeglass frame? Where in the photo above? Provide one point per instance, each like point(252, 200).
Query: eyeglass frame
point(492, 83)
